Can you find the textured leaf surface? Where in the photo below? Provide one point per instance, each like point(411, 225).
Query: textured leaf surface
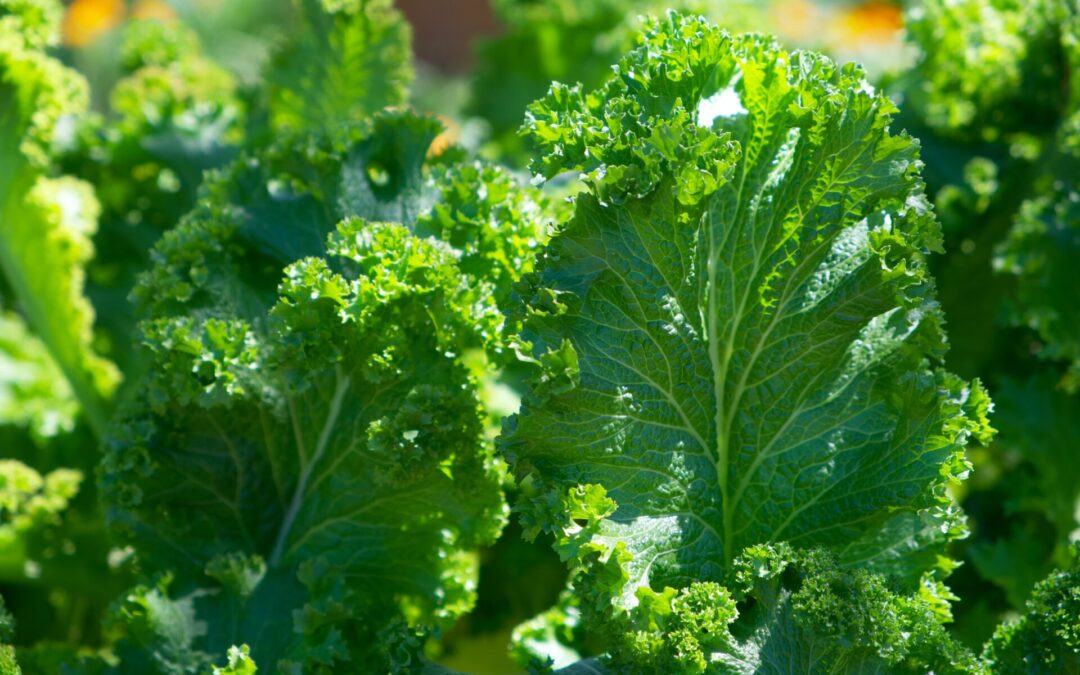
point(788, 612)
point(330, 437)
point(738, 334)
point(568, 42)
point(353, 58)
point(286, 201)
point(172, 116)
point(1046, 638)
point(47, 222)
point(309, 437)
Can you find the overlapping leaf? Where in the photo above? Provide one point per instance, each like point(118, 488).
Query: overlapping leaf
point(47, 222)
point(284, 202)
point(556, 40)
point(738, 335)
point(310, 435)
point(1046, 638)
point(172, 116)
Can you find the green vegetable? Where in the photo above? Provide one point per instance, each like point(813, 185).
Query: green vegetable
point(309, 429)
point(711, 387)
point(47, 222)
point(352, 59)
point(738, 333)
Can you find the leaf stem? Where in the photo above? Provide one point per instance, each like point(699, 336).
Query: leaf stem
point(307, 469)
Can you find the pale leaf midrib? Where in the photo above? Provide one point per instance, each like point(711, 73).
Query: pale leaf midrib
point(724, 417)
point(308, 467)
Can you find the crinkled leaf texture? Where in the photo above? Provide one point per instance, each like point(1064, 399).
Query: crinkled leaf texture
point(779, 610)
point(569, 42)
point(351, 59)
point(738, 339)
point(46, 222)
point(308, 460)
point(1046, 638)
point(285, 202)
point(787, 611)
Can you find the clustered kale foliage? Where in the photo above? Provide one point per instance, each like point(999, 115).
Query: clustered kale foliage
point(742, 427)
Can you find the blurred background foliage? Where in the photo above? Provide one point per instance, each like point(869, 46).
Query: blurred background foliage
point(990, 156)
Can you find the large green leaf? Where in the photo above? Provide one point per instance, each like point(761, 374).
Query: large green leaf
point(738, 335)
point(47, 222)
point(331, 437)
point(309, 437)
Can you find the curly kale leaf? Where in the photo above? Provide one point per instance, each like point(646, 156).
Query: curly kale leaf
point(786, 611)
point(334, 437)
point(172, 116)
point(567, 42)
point(47, 222)
point(1046, 638)
point(738, 335)
point(352, 58)
point(284, 202)
point(779, 610)
point(309, 433)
